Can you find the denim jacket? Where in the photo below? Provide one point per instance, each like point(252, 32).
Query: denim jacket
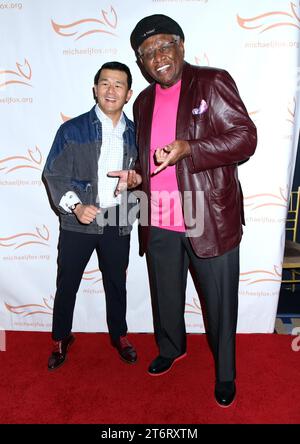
point(72, 165)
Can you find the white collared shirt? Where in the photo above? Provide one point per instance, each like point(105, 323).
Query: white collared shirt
point(111, 158)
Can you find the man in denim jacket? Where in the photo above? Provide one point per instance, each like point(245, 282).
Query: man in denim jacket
point(87, 171)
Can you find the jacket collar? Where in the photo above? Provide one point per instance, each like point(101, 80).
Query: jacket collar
point(95, 120)
point(183, 106)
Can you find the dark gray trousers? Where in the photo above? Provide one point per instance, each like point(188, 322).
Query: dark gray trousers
point(169, 257)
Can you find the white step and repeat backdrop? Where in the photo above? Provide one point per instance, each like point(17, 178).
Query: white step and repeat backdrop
point(50, 52)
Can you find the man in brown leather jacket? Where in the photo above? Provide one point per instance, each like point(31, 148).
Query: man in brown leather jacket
point(192, 131)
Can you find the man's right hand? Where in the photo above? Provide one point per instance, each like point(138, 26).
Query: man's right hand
point(86, 213)
point(128, 179)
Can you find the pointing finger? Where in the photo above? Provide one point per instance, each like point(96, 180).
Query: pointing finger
point(161, 167)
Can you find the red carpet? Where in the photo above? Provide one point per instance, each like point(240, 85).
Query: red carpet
point(95, 386)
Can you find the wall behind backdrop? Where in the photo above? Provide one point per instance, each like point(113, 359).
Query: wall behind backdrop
point(50, 53)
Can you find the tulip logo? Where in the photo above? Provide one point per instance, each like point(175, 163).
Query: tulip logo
point(254, 113)
point(32, 161)
point(64, 117)
point(296, 341)
point(107, 24)
point(267, 200)
point(272, 19)
point(92, 276)
point(46, 308)
point(21, 76)
point(255, 276)
point(194, 308)
point(39, 237)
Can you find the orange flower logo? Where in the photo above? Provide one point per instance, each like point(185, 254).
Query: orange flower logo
point(107, 24)
point(266, 200)
point(64, 117)
point(254, 113)
point(248, 278)
point(21, 76)
point(255, 276)
point(194, 308)
point(33, 161)
point(40, 237)
point(92, 276)
point(32, 309)
point(270, 20)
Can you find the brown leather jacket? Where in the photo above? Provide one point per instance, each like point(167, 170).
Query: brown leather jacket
point(220, 139)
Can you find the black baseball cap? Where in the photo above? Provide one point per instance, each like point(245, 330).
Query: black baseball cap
point(152, 25)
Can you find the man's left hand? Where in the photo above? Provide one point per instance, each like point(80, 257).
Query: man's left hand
point(171, 153)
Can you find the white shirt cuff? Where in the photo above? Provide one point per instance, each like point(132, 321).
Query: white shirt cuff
point(70, 198)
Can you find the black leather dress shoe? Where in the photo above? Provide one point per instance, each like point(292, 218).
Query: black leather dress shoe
point(225, 393)
point(162, 365)
point(59, 352)
point(126, 350)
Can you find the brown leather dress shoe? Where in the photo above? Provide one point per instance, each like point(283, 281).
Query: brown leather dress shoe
point(126, 350)
point(59, 352)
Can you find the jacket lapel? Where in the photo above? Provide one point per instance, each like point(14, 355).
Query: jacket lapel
point(145, 120)
point(186, 99)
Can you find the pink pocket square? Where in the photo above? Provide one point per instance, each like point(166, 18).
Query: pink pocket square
point(202, 108)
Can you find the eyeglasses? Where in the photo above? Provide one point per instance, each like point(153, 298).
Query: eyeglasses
point(165, 48)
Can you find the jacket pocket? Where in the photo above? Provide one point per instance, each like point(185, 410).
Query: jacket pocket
point(222, 193)
point(226, 209)
point(200, 126)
